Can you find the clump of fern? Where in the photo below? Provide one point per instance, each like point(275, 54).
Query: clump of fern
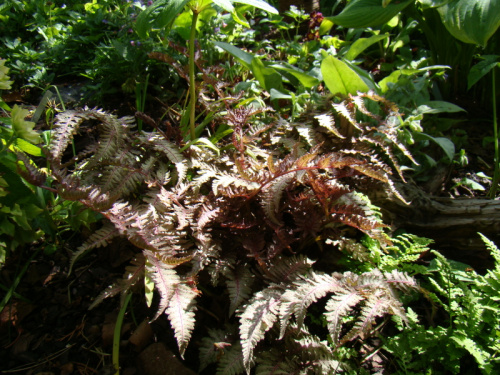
point(465, 340)
point(256, 215)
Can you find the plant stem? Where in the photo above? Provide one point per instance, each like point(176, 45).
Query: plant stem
point(496, 174)
point(117, 334)
point(192, 84)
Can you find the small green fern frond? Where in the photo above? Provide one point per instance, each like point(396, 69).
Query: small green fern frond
point(231, 361)
point(493, 249)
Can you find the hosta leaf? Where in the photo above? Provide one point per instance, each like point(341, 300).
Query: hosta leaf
point(268, 77)
point(368, 13)
point(340, 79)
point(259, 4)
point(305, 79)
point(363, 43)
point(471, 21)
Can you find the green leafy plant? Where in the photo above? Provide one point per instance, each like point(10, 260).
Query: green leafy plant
point(471, 326)
point(162, 13)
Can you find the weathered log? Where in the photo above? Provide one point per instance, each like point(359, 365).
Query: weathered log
point(453, 223)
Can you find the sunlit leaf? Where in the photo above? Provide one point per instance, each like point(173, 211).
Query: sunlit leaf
point(368, 13)
point(361, 44)
point(305, 79)
point(340, 79)
point(259, 4)
point(268, 78)
point(471, 21)
point(244, 57)
point(23, 129)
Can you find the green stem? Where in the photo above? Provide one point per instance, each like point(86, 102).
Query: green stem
point(496, 174)
point(192, 84)
point(117, 334)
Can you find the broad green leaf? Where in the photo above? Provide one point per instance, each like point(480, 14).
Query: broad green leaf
point(482, 68)
point(244, 57)
point(390, 79)
point(446, 144)
point(368, 13)
point(471, 21)
point(259, 4)
point(23, 129)
point(275, 94)
point(224, 4)
point(326, 26)
point(29, 148)
point(361, 44)
point(433, 3)
point(5, 84)
point(268, 78)
point(437, 106)
point(159, 15)
point(305, 79)
point(340, 79)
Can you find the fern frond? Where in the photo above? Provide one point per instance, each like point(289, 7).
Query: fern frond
point(257, 317)
point(307, 290)
point(134, 272)
point(171, 151)
point(165, 279)
point(30, 172)
point(239, 285)
point(288, 269)
point(347, 113)
point(337, 307)
point(271, 196)
point(224, 180)
point(213, 346)
point(374, 307)
point(66, 126)
point(100, 238)
point(328, 122)
point(180, 311)
point(231, 362)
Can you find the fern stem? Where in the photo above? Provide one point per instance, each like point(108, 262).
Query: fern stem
point(117, 334)
point(496, 173)
point(192, 85)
